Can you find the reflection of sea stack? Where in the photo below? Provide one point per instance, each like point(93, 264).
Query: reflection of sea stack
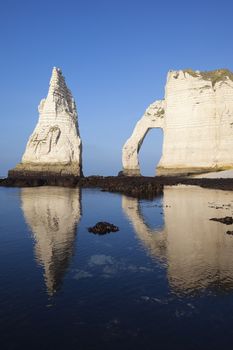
point(52, 214)
point(197, 251)
point(54, 147)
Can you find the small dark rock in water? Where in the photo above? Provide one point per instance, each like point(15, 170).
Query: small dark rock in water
point(228, 220)
point(103, 227)
point(229, 233)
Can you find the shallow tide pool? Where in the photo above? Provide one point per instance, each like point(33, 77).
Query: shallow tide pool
point(165, 280)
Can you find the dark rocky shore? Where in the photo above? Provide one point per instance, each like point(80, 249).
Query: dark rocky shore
point(138, 186)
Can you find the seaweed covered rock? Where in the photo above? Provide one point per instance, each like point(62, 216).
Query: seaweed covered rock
point(228, 220)
point(102, 228)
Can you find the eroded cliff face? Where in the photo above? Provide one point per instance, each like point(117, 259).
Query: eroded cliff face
point(197, 124)
point(55, 145)
point(153, 118)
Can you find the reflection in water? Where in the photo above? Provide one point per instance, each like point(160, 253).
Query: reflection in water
point(52, 214)
point(153, 239)
point(198, 252)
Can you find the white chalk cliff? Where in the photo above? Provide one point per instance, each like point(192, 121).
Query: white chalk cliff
point(55, 145)
point(196, 116)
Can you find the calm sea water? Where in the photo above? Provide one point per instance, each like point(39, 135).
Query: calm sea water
point(164, 281)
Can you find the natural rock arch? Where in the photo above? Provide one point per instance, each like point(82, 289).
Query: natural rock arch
point(196, 116)
point(152, 118)
point(150, 152)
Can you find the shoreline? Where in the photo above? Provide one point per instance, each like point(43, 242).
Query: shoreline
point(137, 186)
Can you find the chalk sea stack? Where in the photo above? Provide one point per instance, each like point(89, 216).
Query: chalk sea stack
point(54, 148)
point(196, 116)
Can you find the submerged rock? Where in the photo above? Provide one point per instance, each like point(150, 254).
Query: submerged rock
point(102, 228)
point(228, 220)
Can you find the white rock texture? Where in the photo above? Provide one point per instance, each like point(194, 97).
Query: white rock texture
point(55, 145)
point(197, 121)
point(153, 118)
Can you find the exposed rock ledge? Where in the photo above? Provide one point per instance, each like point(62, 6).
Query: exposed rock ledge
point(196, 116)
point(140, 187)
point(29, 170)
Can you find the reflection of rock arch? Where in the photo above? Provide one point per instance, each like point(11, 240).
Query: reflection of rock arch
point(197, 251)
point(52, 214)
point(153, 118)
point(153, 239)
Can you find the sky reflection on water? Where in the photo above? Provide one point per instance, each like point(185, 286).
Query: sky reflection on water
point(166, 273)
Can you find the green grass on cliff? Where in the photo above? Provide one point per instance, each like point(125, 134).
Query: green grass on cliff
point(214, 76)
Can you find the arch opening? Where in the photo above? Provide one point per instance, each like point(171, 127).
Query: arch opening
point(150, 151)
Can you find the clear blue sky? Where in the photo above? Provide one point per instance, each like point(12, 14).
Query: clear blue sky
point(115, 55)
